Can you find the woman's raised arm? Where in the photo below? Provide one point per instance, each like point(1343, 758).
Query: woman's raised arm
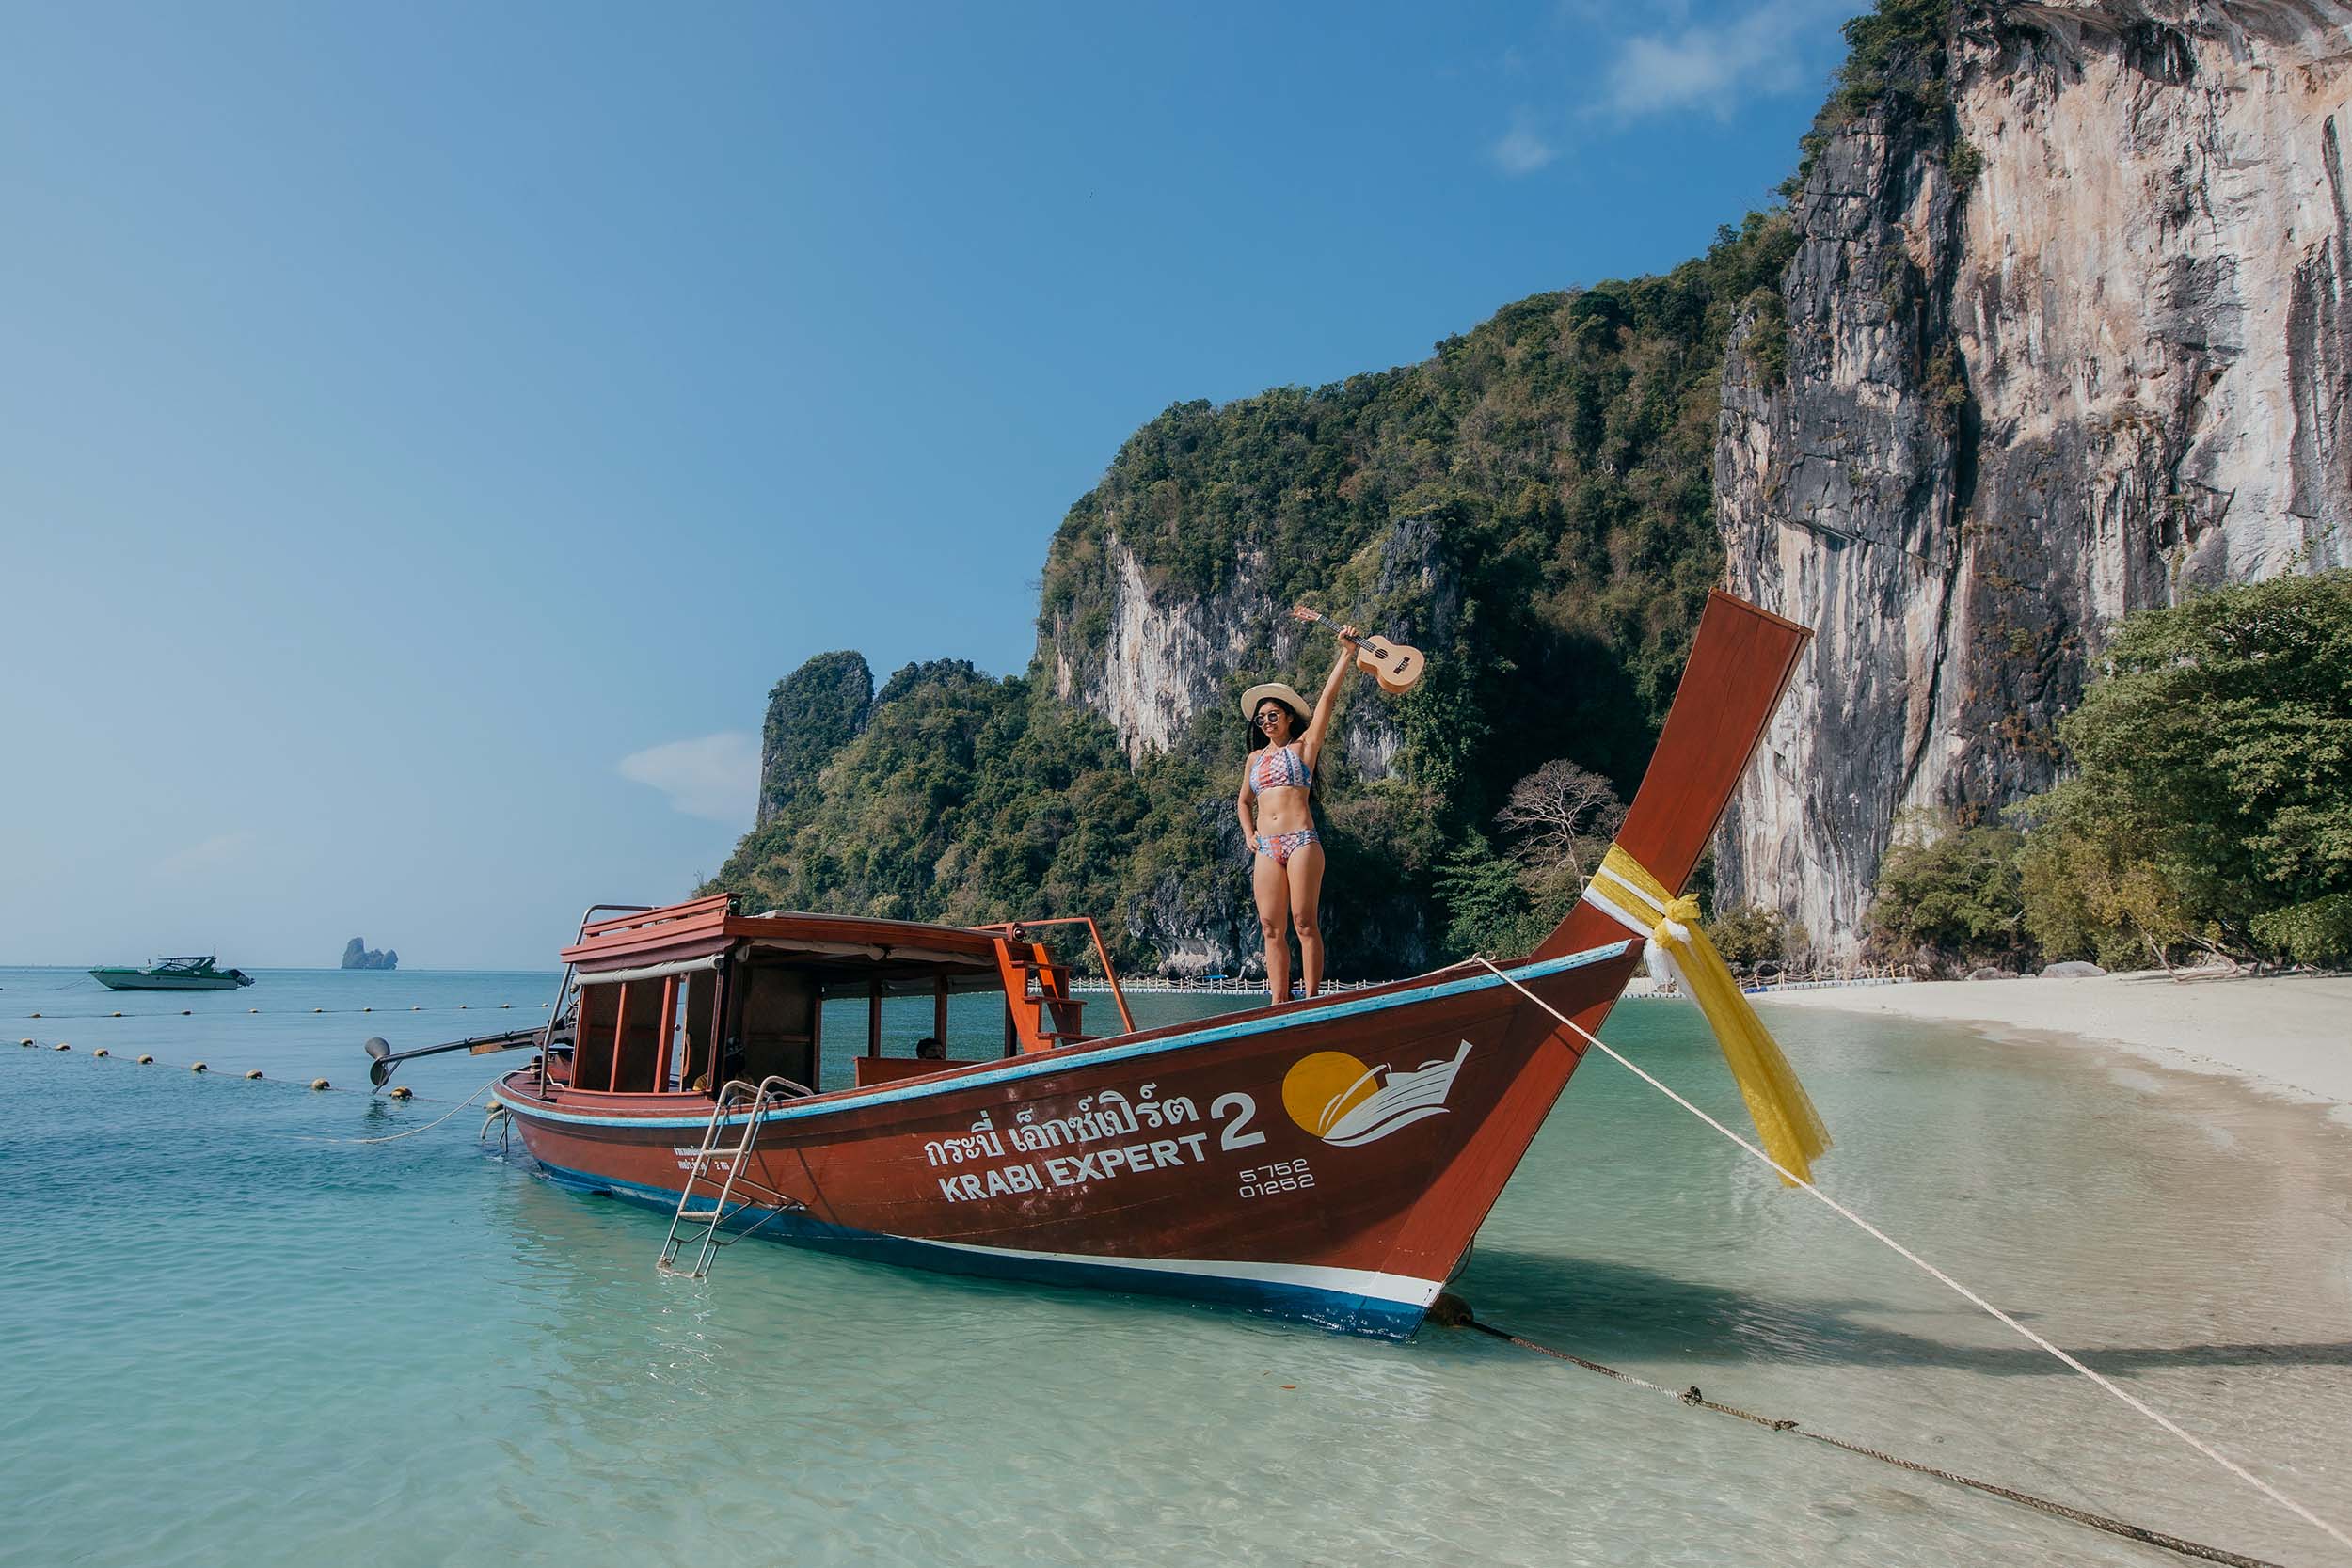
point(1310, 744)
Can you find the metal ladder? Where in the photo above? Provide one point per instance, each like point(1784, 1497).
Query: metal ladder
point(711, 1219)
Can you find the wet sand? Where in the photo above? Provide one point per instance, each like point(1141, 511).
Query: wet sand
point(2288, 1035)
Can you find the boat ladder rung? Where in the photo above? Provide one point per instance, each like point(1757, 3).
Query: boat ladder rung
point(737, 1097)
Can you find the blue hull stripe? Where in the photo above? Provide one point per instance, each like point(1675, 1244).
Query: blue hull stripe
point(1352, 1311)
point(1014, 1072)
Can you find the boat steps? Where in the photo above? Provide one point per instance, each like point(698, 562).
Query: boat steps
point(737, 1096)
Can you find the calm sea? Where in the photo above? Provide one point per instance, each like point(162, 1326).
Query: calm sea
point(233, 1333)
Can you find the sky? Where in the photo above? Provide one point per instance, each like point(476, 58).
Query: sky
point(427, 432)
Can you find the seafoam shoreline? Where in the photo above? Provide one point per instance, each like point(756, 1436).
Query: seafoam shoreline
point(2289, 1035)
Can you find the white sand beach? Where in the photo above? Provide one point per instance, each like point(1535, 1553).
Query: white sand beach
point(2290, 1035)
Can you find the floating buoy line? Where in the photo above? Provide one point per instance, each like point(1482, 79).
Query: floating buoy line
point(307, 1012)
point(1792, 1179)
point(318, 1085)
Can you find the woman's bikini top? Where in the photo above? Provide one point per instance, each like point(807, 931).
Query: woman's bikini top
point(1280, 768)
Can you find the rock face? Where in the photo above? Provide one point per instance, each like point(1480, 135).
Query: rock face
point(2089, 355)
point(812, 714)
point(1169, 656)
point(358, 955)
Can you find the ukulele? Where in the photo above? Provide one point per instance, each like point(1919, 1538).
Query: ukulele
point(1395, 666)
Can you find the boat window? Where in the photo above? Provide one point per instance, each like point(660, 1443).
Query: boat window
point(697, 1019)
point(774, 1018)
point(592, 1048)
point(638, 1068)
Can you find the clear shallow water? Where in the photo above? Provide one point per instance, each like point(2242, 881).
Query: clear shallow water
point(228, 1339)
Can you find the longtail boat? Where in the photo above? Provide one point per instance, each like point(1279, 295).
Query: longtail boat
point(1328, 1159)
point(192, 973)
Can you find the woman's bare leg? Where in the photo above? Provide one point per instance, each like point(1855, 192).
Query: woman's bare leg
point(1306, 897)
point(1273, 891)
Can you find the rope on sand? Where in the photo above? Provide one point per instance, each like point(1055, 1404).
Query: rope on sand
point(1792, 1179)
point(1458, 1315)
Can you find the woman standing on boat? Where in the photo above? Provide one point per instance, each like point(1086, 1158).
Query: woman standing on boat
point(1286, 858)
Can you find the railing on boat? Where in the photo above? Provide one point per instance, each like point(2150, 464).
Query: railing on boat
point(1013, 929)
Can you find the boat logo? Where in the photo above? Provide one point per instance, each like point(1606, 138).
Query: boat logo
point(1345, 1102)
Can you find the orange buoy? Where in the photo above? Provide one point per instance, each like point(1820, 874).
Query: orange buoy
point(402, 1091)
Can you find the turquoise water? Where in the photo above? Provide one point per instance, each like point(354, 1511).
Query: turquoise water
point(233, 1335)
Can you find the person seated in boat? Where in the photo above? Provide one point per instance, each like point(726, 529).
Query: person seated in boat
point(929, 1049)
point(1276, 812)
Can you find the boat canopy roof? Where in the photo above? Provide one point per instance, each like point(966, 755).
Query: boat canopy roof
point(845, 952)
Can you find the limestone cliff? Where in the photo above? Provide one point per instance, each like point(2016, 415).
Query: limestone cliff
point(358, 955)
point(2067, 335)
point(812, 714)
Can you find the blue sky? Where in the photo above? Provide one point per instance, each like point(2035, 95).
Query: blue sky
point(427, 432)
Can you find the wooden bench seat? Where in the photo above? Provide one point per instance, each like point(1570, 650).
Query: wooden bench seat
point(891, 1069)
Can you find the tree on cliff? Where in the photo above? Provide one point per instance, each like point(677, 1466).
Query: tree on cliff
point(1566, 816)
point(1949, 898)
point(2212, 803)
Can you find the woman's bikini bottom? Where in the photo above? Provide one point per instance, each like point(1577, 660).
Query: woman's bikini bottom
point(1279, 847)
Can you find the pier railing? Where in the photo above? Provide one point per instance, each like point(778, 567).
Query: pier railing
point(1221, 985)
point(1640, 986)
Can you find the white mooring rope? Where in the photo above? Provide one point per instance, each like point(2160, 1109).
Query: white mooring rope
point(395, 1137)
point(2157, 1416)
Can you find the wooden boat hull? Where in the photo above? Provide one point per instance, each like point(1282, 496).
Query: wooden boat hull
point(1328, 1160)
point(1223, 1160)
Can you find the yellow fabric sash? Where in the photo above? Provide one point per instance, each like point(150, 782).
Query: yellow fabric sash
point(1785, 1120)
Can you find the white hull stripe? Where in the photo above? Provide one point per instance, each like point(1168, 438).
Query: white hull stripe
point(1371, 1283)
point(1014, 1071)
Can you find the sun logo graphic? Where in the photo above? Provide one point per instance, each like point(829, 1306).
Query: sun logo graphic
point(1342, 1102)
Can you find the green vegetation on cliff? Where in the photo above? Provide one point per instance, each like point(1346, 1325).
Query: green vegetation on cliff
point(2210, 807)
point(1532, 506)
point(1552, 470)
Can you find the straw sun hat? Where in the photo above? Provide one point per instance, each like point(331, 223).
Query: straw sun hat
point(1256, 694)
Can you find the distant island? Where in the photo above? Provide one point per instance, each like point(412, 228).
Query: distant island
point(358, 954)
